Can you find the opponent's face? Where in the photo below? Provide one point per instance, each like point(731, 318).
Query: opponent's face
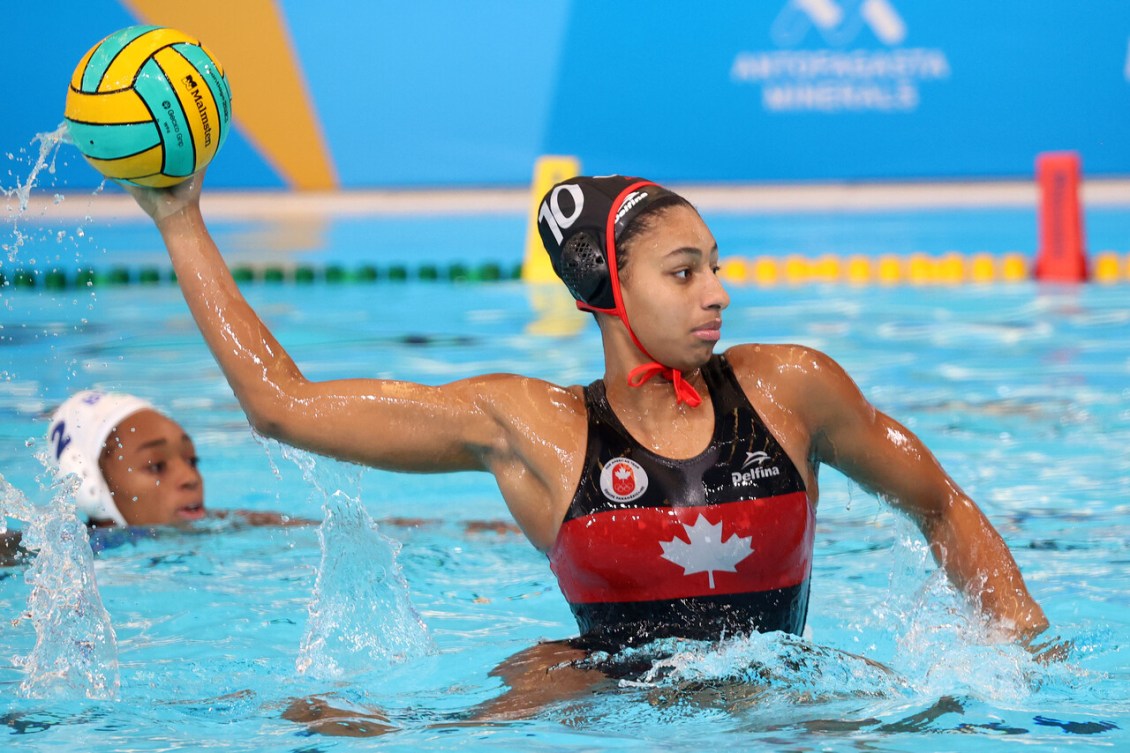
point(671, 289)
point(149, 463)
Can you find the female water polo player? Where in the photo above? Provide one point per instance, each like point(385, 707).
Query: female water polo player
point(674, 497)
point(136, 467)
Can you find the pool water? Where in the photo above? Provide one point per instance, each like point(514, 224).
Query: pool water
point(1022, 391)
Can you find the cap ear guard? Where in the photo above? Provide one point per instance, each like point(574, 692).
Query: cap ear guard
point(584, 270)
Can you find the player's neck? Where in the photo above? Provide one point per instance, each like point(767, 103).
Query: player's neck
point(655, 419)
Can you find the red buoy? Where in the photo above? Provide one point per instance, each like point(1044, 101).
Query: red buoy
point(1063, 255)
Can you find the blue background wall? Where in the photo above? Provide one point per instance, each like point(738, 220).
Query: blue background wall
point(435, 93)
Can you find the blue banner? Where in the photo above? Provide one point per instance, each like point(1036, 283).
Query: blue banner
point(446, 94)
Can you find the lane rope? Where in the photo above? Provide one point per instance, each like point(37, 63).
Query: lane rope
point(1107, 267)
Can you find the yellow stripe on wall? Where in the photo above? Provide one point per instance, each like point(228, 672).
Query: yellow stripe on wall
point(271, 104)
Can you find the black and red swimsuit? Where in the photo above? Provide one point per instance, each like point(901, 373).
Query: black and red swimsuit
point(715, 545)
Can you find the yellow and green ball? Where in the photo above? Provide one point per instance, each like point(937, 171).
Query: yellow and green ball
point(148, 105)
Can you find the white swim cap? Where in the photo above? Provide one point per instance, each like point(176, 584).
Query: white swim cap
point(76, 436)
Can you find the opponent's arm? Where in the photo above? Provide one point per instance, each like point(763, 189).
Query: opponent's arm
point(885, 457)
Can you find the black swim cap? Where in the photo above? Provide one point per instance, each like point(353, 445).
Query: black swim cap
point(579, 220)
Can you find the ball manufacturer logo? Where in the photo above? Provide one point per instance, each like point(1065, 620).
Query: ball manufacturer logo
point(198, 99)
point(623, 480)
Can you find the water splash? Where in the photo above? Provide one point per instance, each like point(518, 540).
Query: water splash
point(943, 645)
point(361, 616)
point(47, 151)
point(49, 144)
point(764, 668)
point(76, 650)
point(936, 646)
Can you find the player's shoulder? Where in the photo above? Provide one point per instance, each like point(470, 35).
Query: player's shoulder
point(515, 393)
point(796, 374)
point(767, 360)
point(801, 378)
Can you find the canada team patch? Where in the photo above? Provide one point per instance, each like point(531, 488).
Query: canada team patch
point(623, 480)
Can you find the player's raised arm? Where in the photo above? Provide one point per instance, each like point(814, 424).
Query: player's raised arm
point(388, 424)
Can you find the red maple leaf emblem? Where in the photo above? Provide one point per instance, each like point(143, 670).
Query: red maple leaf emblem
point(623, 479)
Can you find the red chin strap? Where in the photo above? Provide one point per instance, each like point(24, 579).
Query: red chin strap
point(684, 390)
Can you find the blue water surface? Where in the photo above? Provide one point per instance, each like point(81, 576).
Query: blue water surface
point(1021, 390)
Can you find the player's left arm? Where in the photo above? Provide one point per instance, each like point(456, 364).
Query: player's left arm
point(885, 457)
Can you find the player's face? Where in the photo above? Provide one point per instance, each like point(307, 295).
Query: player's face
point(149, 463)
point(671, 289)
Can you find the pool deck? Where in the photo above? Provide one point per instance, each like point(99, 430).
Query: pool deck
point(713, 198)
